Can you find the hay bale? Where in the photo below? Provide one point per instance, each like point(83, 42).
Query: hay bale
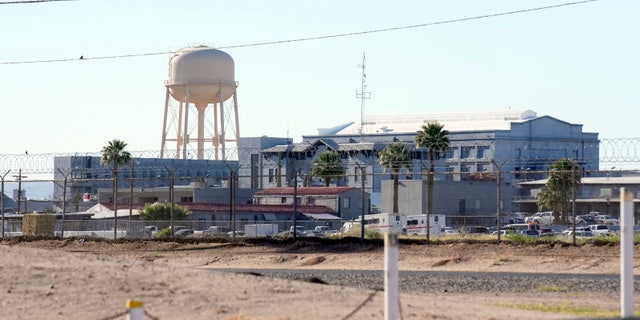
point(37, 224)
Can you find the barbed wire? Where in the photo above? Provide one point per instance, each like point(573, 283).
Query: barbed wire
point(613, 152)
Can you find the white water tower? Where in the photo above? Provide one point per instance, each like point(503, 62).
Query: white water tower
point(200, 77)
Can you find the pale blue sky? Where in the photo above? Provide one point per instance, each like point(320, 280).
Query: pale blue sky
point(577, 63)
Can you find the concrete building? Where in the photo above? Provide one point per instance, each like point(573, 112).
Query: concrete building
point(515, 145)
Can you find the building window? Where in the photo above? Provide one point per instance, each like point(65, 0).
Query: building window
point(270, 175)
point(283, 200)
point(451, 152)
point(186, 199)
point(482, 152)
point(346, 203)
point(465, 152)
point(356, 174)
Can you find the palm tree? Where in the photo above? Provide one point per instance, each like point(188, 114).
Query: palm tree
point(327, 166)
point(435, 139)
point(395, 157)
point(114, 156)
point(162, 211)
point(564, 180)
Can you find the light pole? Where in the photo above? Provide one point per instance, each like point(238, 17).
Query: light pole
point(64, 200)
point(498, 196)
point(170, 200)
point(2, 200)
point(363, 171)
point(131, 196)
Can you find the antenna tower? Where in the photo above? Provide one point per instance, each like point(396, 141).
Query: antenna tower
point(363, 95)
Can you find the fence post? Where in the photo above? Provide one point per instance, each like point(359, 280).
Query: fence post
point(391, 296)
point(136, 311)
point(626, 254)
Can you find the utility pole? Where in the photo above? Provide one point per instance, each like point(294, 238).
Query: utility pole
point(64, 200)
point(2, 200)
point(295, 200)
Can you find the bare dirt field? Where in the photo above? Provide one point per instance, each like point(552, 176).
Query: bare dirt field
point(87, 279)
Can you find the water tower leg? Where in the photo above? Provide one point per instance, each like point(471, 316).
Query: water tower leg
point(164, 124)
point(223, 133)
point(235, 109)
point(216, 140)
point(185, 136)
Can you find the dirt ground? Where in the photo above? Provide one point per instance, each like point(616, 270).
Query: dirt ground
point(76, 279)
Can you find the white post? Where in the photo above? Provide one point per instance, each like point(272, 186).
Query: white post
point(626, 253)
point(136, 311)
point(391, 296)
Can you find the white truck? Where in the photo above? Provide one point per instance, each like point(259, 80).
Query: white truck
point(260, 230)
point(381, 222)
point(417, 225)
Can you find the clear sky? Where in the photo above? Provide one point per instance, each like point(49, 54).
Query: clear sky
point(578, 63)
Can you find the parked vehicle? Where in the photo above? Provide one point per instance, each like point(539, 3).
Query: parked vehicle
point(448, 231)
point(599, 229)
point(519, 227)
point(475, 230)
point(238, 234)
point(541, 218)
point(300, 231)
point(531, 233)
point(260, 230)
point(320, 231)
point(184, 232)
point(384, 222)
point(606, 219)
point(417, 225)
point(580, 233)
point(546, 232)
point(216, 231)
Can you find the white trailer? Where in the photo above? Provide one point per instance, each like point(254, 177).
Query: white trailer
point(417, 224)
point(260, 230)
point(383, 222)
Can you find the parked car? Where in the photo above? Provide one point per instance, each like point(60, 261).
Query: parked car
point(448, 231)
point(184, 232)
point(580, 233)
point(501, 232)
point(531, 233)
point(475, 230)
point(238, 233)
point(607, 219)
point(541, 218)
point(599, 229)
point(546, 232)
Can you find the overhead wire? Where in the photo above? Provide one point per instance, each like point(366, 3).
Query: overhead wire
point(339, 35)
point(32, 1)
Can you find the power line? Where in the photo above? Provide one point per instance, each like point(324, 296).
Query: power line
point(339, 35)
point(32, 1)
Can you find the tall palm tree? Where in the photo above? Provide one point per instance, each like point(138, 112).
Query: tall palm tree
point(327, 166)
point(114, 156)
point(564, 179)
point(395, 157)
point(435, 139)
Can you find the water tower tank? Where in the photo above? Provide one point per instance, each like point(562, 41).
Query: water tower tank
point(207, 73)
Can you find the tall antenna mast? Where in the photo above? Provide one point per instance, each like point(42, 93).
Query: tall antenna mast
point(363, 95)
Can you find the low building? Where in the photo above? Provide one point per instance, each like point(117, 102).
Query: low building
point(346, 202)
